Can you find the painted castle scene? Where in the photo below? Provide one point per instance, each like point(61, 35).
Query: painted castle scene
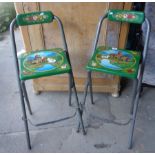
point(43, 61)
point(115, 59)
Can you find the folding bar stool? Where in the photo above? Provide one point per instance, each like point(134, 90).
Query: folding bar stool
point(47, 62)
point(120, 62)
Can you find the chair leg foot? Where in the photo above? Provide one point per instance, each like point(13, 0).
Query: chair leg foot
point(78, 128)
point(79, 111)
point(81, 122)
point(133, 120)
point(29, 147)
point(130, 146)
point(27, 132)
point(84, 133)
point(21, 83)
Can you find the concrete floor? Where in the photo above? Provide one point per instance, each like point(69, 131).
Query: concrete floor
point(104, 134)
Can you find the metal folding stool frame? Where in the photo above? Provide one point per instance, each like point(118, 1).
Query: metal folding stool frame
point(137, 82)
point(22, 88)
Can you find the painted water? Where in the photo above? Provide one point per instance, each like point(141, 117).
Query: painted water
point(106, 63)
point(45, 67)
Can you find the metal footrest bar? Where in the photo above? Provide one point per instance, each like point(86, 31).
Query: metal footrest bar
point(51, 122)
point(148, 85)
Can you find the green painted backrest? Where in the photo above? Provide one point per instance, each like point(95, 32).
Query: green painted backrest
point(136, 17)
point(34, 18)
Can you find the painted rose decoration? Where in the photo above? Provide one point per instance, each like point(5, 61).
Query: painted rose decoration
point(37, 17)
point(125, 16)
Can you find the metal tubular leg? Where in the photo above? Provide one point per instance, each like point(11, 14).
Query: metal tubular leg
point(139, 83)
point(78, 128)
point(133, 119)
point(85, 92)
point(70, 89)
point(79, 111)
point(24, 116)
point(135, 84)
point(78, 106)
point(26, 97)
point(84, 100)
point(90, 86)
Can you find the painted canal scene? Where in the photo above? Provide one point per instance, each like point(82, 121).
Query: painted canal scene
point(115, 59)
point(43, 61)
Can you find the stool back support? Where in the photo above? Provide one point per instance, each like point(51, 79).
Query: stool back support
point(135, 17)
point(34, 18)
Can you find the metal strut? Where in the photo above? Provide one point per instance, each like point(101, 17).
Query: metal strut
point(50, 122)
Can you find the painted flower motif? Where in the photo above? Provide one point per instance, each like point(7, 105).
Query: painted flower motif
point(35, 18)
point(130, 16)
point(29, 18)
point(94, 63)
point(125, 16)
point(44, 16)
point(117, 15)
point(41, 17)
point(63, 66)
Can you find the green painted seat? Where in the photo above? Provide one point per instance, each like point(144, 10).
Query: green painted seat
point(43, 63)
point(115, 61)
